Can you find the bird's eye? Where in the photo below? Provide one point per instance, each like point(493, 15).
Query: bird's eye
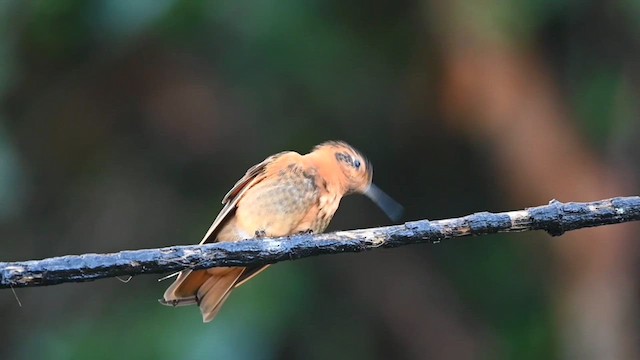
point(356, 164)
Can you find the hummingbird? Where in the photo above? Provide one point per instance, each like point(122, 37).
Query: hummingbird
point(286, 194)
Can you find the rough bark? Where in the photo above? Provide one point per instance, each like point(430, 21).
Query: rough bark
point(554, 218)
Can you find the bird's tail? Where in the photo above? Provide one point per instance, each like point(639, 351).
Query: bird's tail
point(207, 288)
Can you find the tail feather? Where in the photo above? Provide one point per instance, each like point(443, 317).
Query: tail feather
point(214, 291)
point(249, 274)
point(185, 285)
point(213, 312)
point(207, 288)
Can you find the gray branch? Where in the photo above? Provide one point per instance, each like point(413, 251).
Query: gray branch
point(555, 218)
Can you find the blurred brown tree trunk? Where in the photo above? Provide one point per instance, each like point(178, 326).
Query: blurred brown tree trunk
point(502, 96)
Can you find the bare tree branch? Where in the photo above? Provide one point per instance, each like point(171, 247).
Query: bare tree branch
point(555, 219)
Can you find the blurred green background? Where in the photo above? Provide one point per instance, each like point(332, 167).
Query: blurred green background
point(123, 123)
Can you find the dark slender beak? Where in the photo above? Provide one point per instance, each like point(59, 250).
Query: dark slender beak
point(390, 207)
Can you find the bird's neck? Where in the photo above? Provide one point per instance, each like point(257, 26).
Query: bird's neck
point(329, 171)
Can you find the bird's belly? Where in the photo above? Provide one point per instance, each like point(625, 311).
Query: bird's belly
point(276, 209)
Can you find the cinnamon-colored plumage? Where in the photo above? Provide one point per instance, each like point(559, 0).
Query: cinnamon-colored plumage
point(286, 194)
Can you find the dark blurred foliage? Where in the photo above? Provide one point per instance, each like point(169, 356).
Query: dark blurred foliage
point(122, 124)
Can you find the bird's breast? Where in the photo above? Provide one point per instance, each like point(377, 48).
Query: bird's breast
point(277, 204)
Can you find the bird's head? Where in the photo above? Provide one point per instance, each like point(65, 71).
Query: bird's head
point(356, 174)
point(355, 171)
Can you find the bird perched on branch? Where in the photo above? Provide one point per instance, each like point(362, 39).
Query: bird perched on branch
point(286, 194)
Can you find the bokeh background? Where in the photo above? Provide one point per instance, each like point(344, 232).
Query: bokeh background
point(123, 123)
